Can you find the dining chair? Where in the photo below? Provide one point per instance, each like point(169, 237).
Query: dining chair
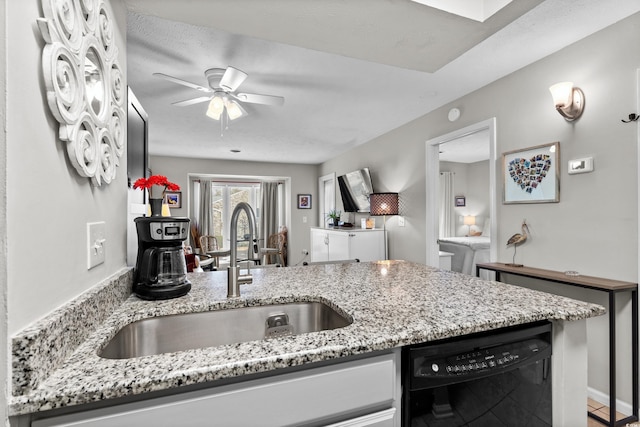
point(275, 252)
point(208, 243)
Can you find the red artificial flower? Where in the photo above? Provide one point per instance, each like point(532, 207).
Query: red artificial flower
point(173, 187)
point(140, 183)
point(160, 180)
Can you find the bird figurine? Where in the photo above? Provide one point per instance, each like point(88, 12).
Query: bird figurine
point(518, 239)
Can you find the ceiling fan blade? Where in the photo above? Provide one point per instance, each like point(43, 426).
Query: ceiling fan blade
point(255, 98)
point(191, 101)
point(183, 82)
point(232, 78)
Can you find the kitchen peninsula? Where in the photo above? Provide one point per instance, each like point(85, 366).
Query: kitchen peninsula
point(391, 304)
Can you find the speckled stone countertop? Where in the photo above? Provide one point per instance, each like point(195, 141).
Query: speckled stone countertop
point(392, 304)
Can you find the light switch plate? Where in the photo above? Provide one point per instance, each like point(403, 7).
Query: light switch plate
point(580, 165)
point(96, 239)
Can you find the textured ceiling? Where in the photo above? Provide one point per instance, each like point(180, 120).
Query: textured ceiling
point(467, 149)
point(349, 71)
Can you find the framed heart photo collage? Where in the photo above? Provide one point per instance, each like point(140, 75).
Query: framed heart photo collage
point(532, 175)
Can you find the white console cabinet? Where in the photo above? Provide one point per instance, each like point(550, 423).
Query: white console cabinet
point(347, 244)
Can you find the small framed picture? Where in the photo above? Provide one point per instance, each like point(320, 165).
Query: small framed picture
point(173, 199)
point(461, 201)
point(304, 201)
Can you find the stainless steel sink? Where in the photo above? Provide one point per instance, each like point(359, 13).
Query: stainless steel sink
point(166, 334)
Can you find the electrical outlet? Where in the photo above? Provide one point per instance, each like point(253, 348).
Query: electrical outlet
point(96, 238)
point(400, 221)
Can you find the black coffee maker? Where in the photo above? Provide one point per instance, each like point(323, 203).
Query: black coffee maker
point(161, 270)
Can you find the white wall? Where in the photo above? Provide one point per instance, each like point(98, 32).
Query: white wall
point(304, 180)
point(594, 227)
point(48, 203)
point(4, 342)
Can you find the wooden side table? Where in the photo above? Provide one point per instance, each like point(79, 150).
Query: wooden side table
point(599, 284)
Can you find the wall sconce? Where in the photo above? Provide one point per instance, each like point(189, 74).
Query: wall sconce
point(569, 100)
point(469, 220)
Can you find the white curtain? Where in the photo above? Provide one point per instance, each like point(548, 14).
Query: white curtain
point(447, 219)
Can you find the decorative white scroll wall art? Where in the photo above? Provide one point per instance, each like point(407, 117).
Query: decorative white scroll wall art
point(85, 85)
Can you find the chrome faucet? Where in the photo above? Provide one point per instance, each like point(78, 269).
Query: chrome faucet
point(233, 271)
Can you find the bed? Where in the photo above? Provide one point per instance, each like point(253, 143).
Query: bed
point(467, 252)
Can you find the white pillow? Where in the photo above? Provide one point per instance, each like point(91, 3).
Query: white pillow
point(486, 228)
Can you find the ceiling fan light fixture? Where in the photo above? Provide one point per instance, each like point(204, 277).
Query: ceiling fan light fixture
point(234, 110)
point(224, 105)
point(216, 107)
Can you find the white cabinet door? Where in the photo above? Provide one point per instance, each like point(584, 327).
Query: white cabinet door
point(319, 245)
point(343, 245)
point(367, 246)
point(339, 246)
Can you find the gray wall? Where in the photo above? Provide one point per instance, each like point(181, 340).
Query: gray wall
point(594, 228)
point(472, 181)
point(304, 180)
point(4, 328)
point(47, 203)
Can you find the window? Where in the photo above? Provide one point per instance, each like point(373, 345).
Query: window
point(221, 195)
point(224, 198)
point(327, 199)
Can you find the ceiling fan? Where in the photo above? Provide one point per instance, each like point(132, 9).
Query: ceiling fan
point(224, 101)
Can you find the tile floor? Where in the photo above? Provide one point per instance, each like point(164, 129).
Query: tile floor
point(601, 410)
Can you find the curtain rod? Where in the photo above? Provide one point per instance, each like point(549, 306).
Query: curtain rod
point(222, 181)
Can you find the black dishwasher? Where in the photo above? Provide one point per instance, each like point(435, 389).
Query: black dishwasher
point(496, 378)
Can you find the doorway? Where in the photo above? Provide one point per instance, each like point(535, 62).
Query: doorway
point(433, 186)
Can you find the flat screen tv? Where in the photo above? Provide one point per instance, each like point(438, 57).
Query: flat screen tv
point(355, 188)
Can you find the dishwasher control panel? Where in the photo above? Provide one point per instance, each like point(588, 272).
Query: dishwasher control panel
point(498, 357)
point(467, 358)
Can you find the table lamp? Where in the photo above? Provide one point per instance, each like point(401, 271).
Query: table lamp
point(469, 220)
point(383, 204)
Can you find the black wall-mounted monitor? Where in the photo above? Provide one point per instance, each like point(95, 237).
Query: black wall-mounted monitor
point(355, 188)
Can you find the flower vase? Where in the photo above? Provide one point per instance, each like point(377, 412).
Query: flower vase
point(156, 207)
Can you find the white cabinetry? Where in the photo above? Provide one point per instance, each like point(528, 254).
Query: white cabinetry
point(338, 245)
point(362, 392)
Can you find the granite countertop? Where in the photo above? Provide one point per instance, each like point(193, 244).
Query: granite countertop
point(392, 304)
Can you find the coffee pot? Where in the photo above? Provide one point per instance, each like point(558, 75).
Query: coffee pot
point(161, 270)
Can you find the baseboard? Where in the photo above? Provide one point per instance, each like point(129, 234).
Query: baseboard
point(598, 396)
